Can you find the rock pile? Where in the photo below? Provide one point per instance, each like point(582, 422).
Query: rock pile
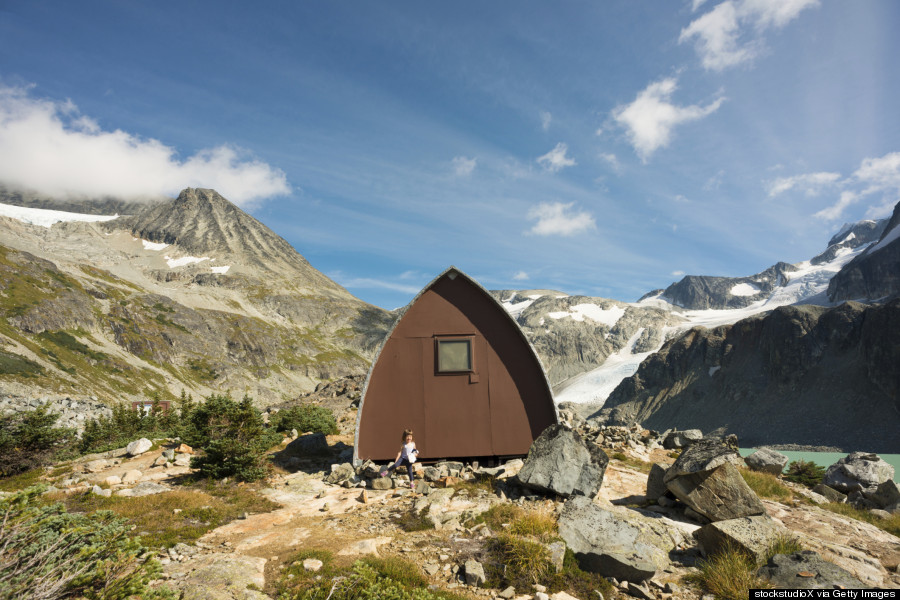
point(73, 413)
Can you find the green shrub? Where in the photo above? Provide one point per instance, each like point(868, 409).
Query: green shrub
point(48, 553)
point(127, 424)
point(13, 364)
point(316, 419)
point(30, 439)
point(805, 473)
point(233, 438)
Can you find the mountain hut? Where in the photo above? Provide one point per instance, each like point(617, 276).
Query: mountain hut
point(457, 369)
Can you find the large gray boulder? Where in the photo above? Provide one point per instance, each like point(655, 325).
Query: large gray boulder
point(704, 455)
point(753, 535)
point(885, 495)
point(718, 495)
point(830, 493)
point(608, 543)
point(312, 443)
point(340, 473)
point(681, 439)
point(562, 462)
point(858, 471)
point(656, 486)
point(807, 570)
point(767, 460)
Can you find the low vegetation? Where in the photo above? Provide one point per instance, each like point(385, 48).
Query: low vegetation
point(729, 573)
point(180, 515)
point(766, 485)
point(891, 525)
point(371, 578)
point(126, 424)
point(49, 553)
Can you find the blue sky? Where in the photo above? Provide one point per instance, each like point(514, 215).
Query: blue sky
point(599, 148)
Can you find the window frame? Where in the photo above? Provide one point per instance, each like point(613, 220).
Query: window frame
point(438, 340)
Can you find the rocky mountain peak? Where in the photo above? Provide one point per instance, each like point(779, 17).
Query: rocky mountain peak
point(203, 223)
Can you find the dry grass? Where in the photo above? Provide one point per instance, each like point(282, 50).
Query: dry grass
point(891, 525)
point(201, 509)
point(767, 485)
point(633, 463)
point(729, 574)
point(540, 524)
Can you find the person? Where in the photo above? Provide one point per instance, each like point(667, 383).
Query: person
point(406, 456)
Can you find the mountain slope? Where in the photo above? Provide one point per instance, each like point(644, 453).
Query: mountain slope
point(90, 309)
point(801, 374)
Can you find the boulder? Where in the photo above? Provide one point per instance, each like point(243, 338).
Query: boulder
point(629, 548)
point(113, 480)
point(382, 483)
point(681, 439)
point(95, 466)
point(718, 495)
point(807, 570)
point(885, 495)
point(132, 476)
point(562, 462)
point(703, 455)
point(753, 535)
point(184, 449)
point(433, 474)
point(474, 573)
point(138, 447)
point(857, 471)
point(311, 443)
point(830, 493)
point(656, 487)
point(767, 460)
point(340, 473)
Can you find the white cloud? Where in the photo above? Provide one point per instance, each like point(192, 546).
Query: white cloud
point(611, 160)
point(715, 182)
point(556, 160)
point(520, 276)
point(697, 4)
point(463, 166)
point(834, 212)
point(732, 32)
point(49, 147)
point(649, 120)
point(369, 283)
point(557, 218)
point(874, 176)
point(677, 273)
point(811, 183)
point(546, 119)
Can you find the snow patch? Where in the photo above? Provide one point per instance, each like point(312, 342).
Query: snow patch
point(220, 270)
point(47, 218)
point(515, 308)
point(744, 289)
point(891, 236)
point(185, 260)
point(148, 245)
point(606, 316)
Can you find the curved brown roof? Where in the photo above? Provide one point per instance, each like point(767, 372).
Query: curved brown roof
point(497, 408)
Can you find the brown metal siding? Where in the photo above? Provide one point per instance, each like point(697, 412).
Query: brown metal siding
point(497, 411)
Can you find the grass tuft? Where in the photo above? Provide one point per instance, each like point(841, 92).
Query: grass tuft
point(729, 574)
point(766, 485)
point(783, 544)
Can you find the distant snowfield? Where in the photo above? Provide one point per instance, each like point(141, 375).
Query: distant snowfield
point(607, 316)
point(184, 260)
point(47, 218)
point(148, 245)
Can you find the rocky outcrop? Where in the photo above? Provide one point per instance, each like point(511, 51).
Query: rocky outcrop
point(807, 570)
point(630, 548)
point(767, 378)
point(751, 535)
point(562, 462)
point(874, 274)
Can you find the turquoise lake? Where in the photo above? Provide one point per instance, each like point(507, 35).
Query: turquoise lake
point(826, 459)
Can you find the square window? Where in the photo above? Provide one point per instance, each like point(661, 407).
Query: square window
point(454, 355)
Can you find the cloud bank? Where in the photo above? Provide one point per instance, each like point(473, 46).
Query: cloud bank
point(651, 117)
point(51, 148)
point(557, 218)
